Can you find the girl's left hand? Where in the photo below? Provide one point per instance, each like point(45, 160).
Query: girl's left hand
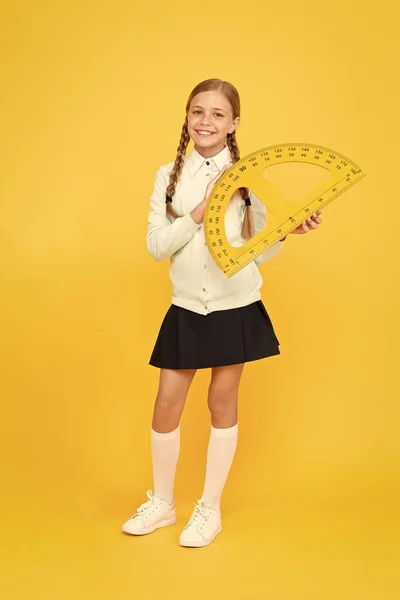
point(310, 223)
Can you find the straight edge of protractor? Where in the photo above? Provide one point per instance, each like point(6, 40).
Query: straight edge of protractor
point(230, 270)
point(245, 258)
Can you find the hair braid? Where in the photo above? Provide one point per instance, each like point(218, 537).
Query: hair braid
point(177, 168)
point(248, 222)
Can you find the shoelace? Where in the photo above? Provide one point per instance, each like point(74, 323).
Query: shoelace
point(147, 508)
point(200, 515)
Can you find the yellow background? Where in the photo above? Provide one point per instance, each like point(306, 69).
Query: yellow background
point(92, 103)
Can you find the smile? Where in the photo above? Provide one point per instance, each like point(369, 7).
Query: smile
point(205, 133)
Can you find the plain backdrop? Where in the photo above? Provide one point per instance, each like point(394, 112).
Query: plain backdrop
point(92, 103)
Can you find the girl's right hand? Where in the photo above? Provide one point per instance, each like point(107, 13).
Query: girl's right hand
point(198, 213)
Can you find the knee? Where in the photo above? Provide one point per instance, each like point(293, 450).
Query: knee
point(166, 402)
point(221, 399)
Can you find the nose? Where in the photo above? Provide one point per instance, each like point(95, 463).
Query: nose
point(205, 120)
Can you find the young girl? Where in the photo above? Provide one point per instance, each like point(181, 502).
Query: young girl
point(213, 322)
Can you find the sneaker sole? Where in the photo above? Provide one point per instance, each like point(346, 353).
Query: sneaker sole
point(164, 523)
point(200, 544)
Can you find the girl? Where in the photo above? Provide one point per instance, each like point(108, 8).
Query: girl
point(213, 322)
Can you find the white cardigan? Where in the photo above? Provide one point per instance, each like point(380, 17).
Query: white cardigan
point(197, 282)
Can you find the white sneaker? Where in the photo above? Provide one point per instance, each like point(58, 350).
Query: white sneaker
point(204, 525)
point(151, 515)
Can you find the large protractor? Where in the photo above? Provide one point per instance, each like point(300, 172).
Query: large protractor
point(249, 172)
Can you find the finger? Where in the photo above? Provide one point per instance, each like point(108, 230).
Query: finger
point(312, 223)
point(216, 177)
point(221, 171)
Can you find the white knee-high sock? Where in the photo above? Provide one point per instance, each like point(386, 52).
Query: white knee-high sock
point(165, 449)
point(221, 450)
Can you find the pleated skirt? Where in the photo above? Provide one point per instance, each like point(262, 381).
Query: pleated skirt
point(188, 340)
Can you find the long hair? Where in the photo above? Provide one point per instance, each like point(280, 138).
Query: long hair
point(231, 94)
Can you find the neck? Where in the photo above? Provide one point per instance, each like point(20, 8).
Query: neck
point(209, 152)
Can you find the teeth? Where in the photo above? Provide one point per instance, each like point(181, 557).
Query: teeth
point(204, 132)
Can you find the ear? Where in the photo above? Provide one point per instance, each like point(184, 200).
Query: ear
point(234, 125)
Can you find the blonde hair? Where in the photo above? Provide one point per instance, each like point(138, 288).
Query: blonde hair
point(231, 94)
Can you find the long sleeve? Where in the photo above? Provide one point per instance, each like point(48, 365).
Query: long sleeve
point(259, 214)
point(163, 237)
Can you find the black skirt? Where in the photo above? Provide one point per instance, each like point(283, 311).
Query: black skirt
point(188, 340)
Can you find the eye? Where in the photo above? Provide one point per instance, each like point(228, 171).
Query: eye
point(197, 111)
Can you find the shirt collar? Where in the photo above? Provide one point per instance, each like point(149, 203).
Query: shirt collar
point(195, 160)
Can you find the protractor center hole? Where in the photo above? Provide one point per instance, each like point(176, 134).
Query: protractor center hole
point(294, 180)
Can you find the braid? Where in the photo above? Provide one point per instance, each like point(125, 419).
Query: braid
point(177, 168)
point(248, 222)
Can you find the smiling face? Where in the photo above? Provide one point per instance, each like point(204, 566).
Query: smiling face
point(210, 119)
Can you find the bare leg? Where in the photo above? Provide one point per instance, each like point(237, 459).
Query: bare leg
point(173, 388)
point(223, 395)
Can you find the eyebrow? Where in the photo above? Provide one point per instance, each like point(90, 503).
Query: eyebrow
point(214, 108)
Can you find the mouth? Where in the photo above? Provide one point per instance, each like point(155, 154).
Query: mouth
point(204, 132)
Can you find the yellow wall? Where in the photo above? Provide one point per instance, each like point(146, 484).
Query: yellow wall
point(93, 103)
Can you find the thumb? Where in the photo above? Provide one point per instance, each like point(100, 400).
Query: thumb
point(221, 171)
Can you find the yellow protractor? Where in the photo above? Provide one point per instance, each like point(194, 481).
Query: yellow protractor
point(249, 172)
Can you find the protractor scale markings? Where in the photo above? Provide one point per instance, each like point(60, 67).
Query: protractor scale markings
point(248, 172)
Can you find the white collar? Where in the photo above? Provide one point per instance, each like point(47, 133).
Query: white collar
point(194, 160)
